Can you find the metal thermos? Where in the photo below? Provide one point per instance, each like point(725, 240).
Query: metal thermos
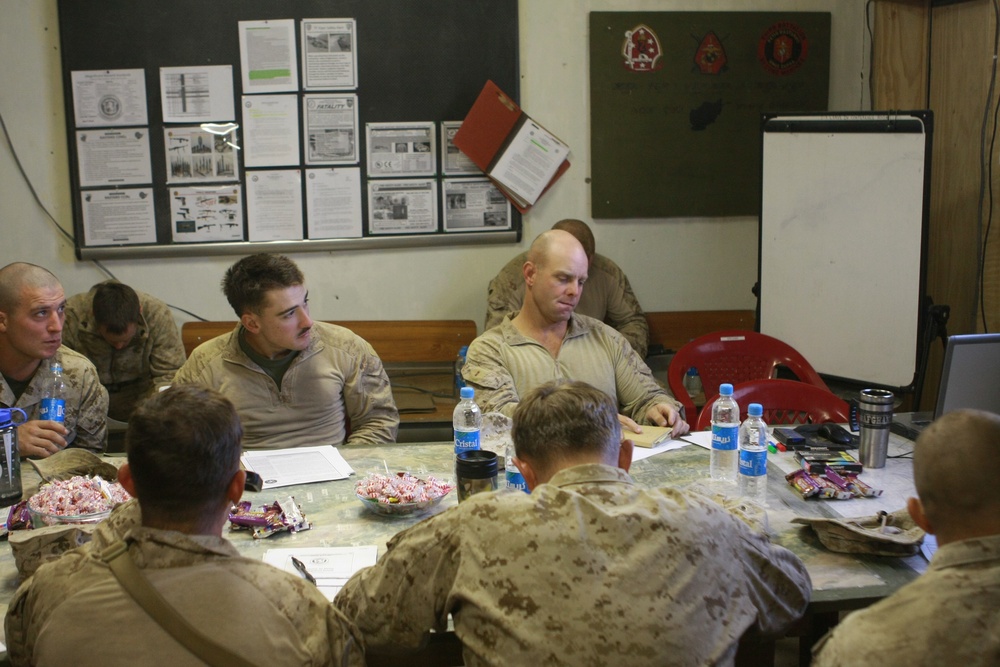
point(10, 458)
point(875, 416)
point(476, 470)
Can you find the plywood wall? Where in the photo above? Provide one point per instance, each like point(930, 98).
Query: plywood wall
point(941, 58)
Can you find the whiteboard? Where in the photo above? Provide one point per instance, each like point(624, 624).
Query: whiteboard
point(842, 227)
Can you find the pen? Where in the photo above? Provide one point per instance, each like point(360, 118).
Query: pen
point(303, 571)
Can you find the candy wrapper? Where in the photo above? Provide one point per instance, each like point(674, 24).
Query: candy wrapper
point(282, 515)
point(831, 485)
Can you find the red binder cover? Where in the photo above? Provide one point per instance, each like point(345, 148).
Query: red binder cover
point(488, 128)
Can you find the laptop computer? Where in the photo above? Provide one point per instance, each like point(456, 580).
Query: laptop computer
point(970, 378)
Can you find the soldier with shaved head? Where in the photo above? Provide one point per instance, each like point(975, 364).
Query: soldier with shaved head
point(608, 296)
point(951, 614)
point(549, 340)
point(32, 304)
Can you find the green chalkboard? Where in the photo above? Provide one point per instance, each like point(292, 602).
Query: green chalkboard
point(676, 100)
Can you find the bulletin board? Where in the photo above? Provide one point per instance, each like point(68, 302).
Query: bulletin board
point(234, 190)
point(675, 104)
point(843, 227)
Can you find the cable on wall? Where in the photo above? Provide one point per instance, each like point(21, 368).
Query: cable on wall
point(62, 230)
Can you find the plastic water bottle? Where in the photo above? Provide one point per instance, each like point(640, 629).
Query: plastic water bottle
point(459, 365)
point(54, 395)
point(10, 459)
point(753, 455)
point(725, 434)
point(515, 480)
point(692, 382)
point(467, 421)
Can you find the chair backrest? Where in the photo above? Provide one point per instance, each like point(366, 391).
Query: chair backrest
point(735, 356)
point(784, 402)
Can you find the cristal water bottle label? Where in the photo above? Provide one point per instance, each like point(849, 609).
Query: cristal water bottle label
point(515, 480)
point(53, 409)
point(753, 464)
point(465, 440)
point(725, 437)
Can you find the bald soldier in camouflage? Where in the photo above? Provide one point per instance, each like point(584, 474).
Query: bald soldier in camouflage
point(590, 569)
point(950, 615)
point(607, 296)
point(32, 304)
point(130, 337)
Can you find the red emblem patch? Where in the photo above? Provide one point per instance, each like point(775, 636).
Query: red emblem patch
point(642, 50)
point(710, 57)
point(782, 48)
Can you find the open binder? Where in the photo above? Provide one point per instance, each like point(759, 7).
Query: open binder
point(521, 157)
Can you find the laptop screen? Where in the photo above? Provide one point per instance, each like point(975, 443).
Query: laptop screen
point(970, 377)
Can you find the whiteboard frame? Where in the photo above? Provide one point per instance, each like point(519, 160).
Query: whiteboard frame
point(842, 256)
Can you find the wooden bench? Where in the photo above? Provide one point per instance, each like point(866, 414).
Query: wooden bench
point(672, 329)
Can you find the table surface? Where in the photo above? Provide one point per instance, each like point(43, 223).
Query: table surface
point(840, 581)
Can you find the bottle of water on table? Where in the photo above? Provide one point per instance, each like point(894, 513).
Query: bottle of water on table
point(725, 434)
point(54, 395)
point(467, 420)
point(515, 480)
point(753, 455)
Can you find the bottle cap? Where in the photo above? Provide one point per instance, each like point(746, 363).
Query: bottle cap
point(755, 410)
point(462, 350)
point(692, 371)
point(467, 392)
point(725, 389)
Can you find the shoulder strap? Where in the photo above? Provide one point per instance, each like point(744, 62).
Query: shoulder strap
point(136, 585)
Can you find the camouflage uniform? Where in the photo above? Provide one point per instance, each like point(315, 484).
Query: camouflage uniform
point(86, 399)
point(337, 378)
point(948, 616)
point(607, 296)
point(148, 362)
point(502, 365)
point(74, 611)
point(589, 569)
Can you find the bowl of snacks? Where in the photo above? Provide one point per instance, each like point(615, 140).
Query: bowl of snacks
point(401, 494)
point(78, 500)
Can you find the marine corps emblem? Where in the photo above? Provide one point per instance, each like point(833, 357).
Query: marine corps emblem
point(782, 48)
point(642, 50)
point(710, 57)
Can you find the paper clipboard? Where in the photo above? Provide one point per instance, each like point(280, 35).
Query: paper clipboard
point(487, 130)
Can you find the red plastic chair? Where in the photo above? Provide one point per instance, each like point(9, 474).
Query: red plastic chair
point(734, 356)
point(784, 402)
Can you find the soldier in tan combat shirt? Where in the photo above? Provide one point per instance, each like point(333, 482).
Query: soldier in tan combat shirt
point(589, 569)
point(32, 304)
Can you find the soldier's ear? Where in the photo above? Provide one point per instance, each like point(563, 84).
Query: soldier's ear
point(250, 323)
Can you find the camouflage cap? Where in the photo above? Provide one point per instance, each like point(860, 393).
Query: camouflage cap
point(883, 534)
point(74, 461)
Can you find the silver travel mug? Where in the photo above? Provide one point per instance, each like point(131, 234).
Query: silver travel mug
point(875, 415)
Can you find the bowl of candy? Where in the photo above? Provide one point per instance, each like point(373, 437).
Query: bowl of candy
point(401, 494)
point(78, 500)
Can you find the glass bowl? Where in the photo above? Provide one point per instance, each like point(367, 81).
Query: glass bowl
point(398, 509)
point(41, 519)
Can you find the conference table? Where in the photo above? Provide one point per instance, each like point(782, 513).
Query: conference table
point(840, 581)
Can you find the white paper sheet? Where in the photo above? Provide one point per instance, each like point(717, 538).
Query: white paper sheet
point(328, 54)
point(118, 217)
point(195, 94)
point(333, 203)
point(297, 465)
point(114, 157)
point(530, 161)
point(115, 97)
point(331, 567)
point(270, 130)
point(200, 214)
point(267, 56)
point(274, 205)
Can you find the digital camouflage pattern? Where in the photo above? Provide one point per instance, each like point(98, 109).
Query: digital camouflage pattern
point(254, 609)
point(502, 365)
point(589, 569)
point(148, 362)
point(86, 399)
point(607, 296)
point(337, 378)
point(948, 616)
